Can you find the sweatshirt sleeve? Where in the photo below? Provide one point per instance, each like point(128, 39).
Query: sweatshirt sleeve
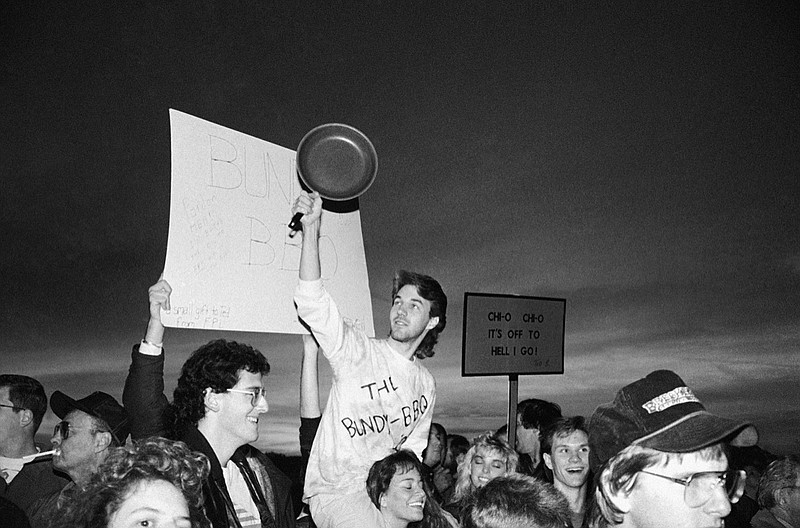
point(316, 309)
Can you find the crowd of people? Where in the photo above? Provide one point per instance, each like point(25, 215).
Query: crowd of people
point(373, 457)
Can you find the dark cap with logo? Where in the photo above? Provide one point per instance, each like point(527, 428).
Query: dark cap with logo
point(660, 412)
point(97, 404)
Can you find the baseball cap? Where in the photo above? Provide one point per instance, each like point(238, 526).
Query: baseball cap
point(660, 412)
point(97, 404)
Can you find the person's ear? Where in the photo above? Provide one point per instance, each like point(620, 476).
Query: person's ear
point(25, 417)
point(102, 441)
point(783, 498)
point(621, 498)
point(460, 458)
point(432, 322)
point(382, 500)
point(547, 461)
point(211, 399)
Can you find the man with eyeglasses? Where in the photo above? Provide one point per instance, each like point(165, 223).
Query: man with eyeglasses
point(25, 476)
point(659, 458)
point(779, 495)
point(89, 429)
point(215, 410)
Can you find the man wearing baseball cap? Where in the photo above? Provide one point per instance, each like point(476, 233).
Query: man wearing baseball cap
point(659, 457)
point(89, 429)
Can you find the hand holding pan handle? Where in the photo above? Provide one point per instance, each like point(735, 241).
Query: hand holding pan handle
point(336, 160)
point(294, 223)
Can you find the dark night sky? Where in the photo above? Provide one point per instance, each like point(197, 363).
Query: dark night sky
point(638, 159)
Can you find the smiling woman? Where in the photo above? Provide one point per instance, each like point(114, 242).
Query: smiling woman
point(489, 457)
point(396, 488)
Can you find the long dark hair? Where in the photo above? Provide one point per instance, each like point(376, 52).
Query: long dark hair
point(380, 476)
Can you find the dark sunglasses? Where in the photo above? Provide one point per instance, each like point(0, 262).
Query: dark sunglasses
point(64, 428)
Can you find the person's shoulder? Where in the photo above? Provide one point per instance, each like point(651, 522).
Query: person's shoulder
point(45, 507)
point(354, 330)
point(424, 372)
point(765, 519)
point(41, 470)
point(252, 453)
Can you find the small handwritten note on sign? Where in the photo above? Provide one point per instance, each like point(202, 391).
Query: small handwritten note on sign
point(230, 260)
point(512, 334)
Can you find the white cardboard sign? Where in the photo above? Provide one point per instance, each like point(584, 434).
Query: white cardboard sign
point(230, 260)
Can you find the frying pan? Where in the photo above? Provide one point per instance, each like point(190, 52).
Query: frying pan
point(336, 160)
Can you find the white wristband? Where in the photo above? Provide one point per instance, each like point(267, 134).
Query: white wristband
point(150, 349)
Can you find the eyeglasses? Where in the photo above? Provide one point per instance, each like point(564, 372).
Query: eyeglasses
point(255, 394)
point(12, 407)
point(64, 428)
point(700, 486)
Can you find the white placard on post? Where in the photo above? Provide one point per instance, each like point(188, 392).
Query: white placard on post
point(230, 260)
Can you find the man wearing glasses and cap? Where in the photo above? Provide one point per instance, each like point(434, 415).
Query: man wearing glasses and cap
point(659, 458)
point(88, 430)
point(215, 410)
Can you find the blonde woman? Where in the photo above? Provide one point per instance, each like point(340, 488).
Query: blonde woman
point(489, 457)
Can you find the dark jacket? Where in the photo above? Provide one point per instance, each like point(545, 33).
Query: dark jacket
point(147, 405)
point(12, 515)
point(742, 511)
point(36, 479)
point(765, 519)
point(47, 510)
point(253, 464)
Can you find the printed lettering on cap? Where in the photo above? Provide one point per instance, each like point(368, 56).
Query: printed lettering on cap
point(668, 399)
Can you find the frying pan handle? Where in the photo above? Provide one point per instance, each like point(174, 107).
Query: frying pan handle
point(295, 224)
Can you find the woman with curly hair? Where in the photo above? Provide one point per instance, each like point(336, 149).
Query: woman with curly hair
point(396, 487)
point(156, 482)
point(489, 457)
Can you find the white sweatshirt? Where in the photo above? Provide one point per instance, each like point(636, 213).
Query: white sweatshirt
point(379, 401)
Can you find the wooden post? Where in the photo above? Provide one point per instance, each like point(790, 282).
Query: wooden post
point(513, 394)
